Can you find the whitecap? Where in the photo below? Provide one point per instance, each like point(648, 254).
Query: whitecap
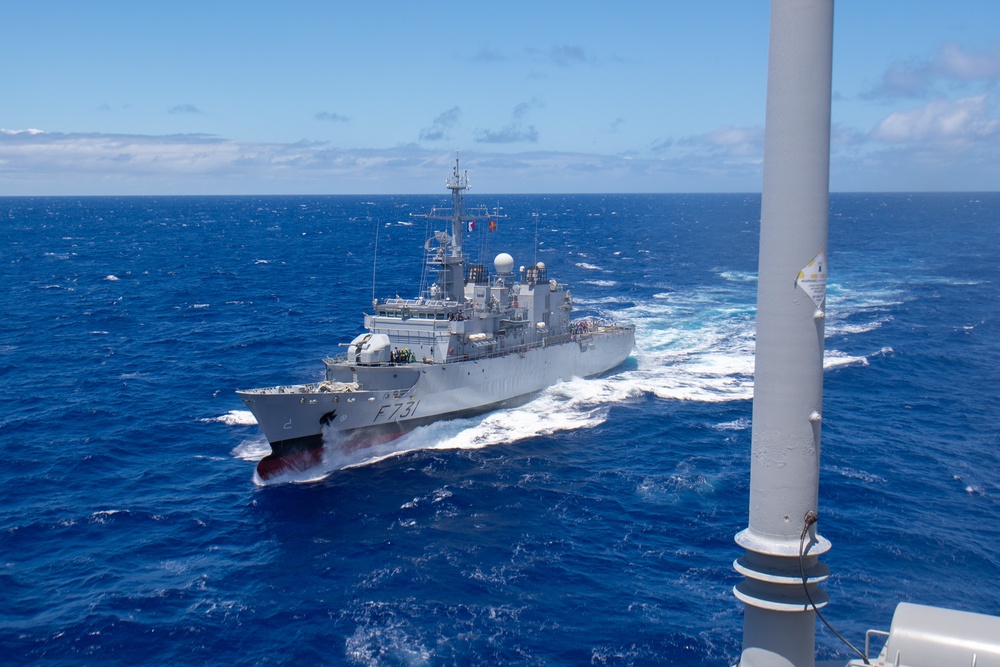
point(857, 328)
point(861, 475)
point(589, 267)
point(837, 359)
point(234, 418)
point(740, 424)
point(388, 643)
point(112, 277)
point(739, 276)
point(687, 352)
point(606, 300)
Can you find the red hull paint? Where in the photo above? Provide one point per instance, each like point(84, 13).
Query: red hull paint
point(302, 459)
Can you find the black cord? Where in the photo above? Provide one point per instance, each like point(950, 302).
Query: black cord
point(810, 519)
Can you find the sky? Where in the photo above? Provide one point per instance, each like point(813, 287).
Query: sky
point(351, 97)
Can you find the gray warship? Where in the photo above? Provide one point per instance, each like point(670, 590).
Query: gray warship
point(471, 342)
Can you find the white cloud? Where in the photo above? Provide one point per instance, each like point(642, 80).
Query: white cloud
point(952, 67)
point(184, 109)
point(29, 131)
point(517, 131)
point(738, 141)
point(565, 55)
point(725, 141)
point(332, 116)
point(441, 125)
point(510, 134)
point(953, 122)
point(942, 145)
point(114, 164)
point(955, 63)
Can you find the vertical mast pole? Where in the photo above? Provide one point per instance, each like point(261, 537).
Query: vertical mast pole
point(452, 269)
point(457, 184)
point(779, 622)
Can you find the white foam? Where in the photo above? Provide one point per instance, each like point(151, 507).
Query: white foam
point(601, 301)
point(740, 424)
point(388, 643)
point(861, 475)
point(690, 346)
point(837, 359)
point(686, 351)
point(253, 449)
point(865, 327)
point(234, 418)
point(739, 276)
point(104, 516)
point(566, 406)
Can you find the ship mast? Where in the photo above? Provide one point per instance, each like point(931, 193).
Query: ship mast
point(447, 259)
point(457, 184)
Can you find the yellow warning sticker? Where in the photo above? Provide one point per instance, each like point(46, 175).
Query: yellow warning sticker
point(812, 278)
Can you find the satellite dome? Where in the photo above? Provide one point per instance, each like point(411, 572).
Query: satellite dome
point(503, 263)
point(540, 266)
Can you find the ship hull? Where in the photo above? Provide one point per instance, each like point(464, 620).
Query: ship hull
point(389, 400)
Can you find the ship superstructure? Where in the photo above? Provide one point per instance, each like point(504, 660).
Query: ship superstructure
point(471, 341)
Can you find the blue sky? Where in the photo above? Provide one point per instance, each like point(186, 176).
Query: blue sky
point(334, 97)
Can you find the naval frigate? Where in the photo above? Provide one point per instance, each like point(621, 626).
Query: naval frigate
point(472, 341)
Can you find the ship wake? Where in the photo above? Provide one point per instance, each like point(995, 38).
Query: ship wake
point(688, 347)
point(567, 406)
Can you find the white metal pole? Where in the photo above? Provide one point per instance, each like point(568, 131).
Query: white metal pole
point(779, 623)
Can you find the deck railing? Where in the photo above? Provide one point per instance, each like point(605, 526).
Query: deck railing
point(555, 339)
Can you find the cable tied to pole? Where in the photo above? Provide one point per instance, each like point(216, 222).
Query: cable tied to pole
point(812, 517)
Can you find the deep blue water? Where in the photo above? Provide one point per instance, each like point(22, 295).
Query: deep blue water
point(592, 526)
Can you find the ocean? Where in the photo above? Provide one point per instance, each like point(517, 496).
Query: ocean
point(592, 526)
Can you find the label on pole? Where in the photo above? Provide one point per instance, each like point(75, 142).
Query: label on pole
point(812, 278)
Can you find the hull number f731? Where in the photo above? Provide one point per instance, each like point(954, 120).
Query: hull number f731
point(397, 411)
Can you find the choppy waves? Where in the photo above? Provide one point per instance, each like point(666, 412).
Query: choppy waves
point(691, 345)
point(593, 525)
